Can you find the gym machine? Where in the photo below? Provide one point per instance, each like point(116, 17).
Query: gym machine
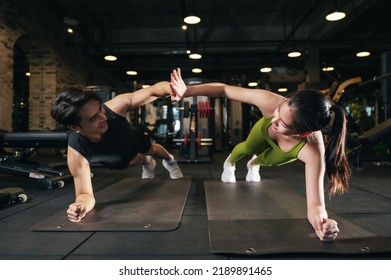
point(191, 141)
point(13, 195)
point(374, 145)
point(362, 152)
point(363, 144)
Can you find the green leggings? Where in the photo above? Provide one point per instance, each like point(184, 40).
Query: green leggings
point(253, 145)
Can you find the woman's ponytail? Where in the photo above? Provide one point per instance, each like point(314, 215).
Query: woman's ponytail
point(337, 166)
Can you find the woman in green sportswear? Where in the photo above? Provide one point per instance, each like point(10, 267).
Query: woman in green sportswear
point(289, 130)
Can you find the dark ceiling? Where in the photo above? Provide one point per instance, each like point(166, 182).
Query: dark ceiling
point(235, 37)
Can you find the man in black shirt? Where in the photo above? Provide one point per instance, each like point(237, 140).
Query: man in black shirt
point(100, 130)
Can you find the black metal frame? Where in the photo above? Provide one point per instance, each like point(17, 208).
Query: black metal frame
point(26, 143)
point(367, 140)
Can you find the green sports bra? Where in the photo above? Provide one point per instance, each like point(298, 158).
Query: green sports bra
point(270, 153)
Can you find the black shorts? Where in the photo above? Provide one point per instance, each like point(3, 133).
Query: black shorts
point(142, 143)
point(139, 143)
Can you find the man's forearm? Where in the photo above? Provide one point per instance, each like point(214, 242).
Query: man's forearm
point(161, 89)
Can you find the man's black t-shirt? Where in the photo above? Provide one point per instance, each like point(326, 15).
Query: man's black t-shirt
point(119, 145)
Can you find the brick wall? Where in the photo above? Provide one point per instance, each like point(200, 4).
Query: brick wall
point(42, 88)
point(52, 67)
point(9, 32)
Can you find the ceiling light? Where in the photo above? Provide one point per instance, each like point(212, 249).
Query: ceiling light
point(363, 54)
point(110, 57)
point(192, 19)
point(196, 70)
point(28, 74)
point(195, 56)
point(252, 84)
point(294, 54)
point(131, 73)
point(282, 90)
point(70, 30)
point(184, 27)
point(335, 15)
point(328, 69)
point(265, 69)
point(145, 86)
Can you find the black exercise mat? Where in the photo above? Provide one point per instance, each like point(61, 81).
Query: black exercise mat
point(132, 204)
point(269, 218)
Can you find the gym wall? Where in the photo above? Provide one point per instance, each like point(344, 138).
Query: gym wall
point(51, 66)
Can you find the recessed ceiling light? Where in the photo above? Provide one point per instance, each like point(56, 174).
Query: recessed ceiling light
point(196, 70)
point(192, 19)
point(195, 56)
point(294, 54)
point(363, 54)
point(336, 15)
point(131, 73)
point(252, 84)
point(265, 69)
point(282, 90)
point(110, 57)
point(328, 69)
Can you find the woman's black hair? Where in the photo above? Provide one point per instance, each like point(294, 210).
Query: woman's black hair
point(313, 111)
point(66, 105)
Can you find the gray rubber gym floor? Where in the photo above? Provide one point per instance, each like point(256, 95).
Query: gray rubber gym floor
point(367, 204)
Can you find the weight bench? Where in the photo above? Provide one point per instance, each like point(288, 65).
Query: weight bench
point(367, 140)
point(25, 144)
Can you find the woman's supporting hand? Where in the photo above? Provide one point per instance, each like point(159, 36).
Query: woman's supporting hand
point(327, 230)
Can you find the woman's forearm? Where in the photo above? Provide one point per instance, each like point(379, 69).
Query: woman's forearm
point(211, 90)
point(315, 214)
